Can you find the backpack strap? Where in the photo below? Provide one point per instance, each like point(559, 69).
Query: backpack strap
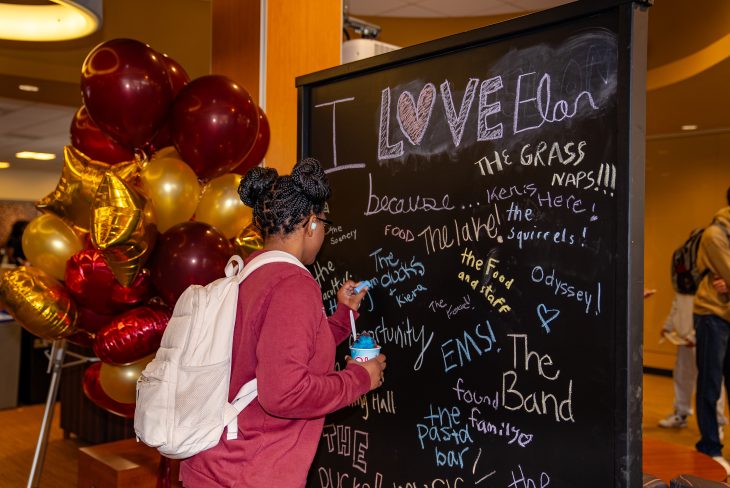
point(264, 258)
point(249, 391)
point(245, 395)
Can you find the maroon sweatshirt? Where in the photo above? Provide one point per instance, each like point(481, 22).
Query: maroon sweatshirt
point(284, 338)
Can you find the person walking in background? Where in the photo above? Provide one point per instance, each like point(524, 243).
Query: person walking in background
point(679, 329)
point(13, 250)
point(712, 325)
point(284, 339)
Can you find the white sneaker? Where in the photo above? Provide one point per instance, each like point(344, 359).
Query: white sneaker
point(674, 421)
point(723, 462)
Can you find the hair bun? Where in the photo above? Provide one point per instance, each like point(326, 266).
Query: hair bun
point(257, 182)
point(309, 177)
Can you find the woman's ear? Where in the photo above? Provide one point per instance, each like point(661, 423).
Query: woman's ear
point(310, 226)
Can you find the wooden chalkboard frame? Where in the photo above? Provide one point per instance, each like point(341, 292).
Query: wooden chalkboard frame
point(631, 94)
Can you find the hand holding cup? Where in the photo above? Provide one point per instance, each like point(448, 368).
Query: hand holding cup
point(374, 367)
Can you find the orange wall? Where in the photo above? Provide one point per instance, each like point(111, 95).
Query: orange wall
point(686, 181)
point(303, 36)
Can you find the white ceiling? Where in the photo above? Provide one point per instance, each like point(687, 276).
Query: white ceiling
point(30, 126)
point(446, 8)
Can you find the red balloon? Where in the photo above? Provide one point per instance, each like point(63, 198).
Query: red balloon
point(82, 338)
point(127, 91)
point(93, 285)
point(186, 254)
point(132, 335)
point(87, 138)
point(94, 392)
point(214, 125)
point(260, 146)
point(92, 322)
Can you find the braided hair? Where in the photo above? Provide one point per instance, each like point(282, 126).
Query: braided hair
point(280, 203)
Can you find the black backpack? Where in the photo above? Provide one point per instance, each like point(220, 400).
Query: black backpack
point(685, 275)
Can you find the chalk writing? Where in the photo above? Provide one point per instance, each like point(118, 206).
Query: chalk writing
point(347, 442)
point(404, 205)
point(413, 117)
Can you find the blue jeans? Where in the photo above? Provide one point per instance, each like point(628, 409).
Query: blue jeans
point(713, 362)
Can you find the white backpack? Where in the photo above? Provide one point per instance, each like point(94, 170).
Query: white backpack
point(182, 394)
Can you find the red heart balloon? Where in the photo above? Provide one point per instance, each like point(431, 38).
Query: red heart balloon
point(260, 146)
point(189, 253)
point(214, 125)
point(132, 335)
point(90, 140)
point(93, 285)
point(126, 90)
point(94, 392)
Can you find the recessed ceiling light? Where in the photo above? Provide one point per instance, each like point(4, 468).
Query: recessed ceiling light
point(689, 127)
point(4, 165)
point(60, 21)
point(28, 88)
point(35, 155)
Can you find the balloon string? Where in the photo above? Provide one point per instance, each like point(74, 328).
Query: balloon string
point(141, 157)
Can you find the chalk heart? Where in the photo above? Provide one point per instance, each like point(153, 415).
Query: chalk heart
point(546, 315)
point(413, 117)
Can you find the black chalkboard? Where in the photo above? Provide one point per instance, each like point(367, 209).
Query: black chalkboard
point(490, 184)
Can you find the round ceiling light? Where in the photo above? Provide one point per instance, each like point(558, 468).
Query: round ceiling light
point(58, 20)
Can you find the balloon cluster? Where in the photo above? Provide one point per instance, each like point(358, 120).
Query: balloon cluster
point(146, 206)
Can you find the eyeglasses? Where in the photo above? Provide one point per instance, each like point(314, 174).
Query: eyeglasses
point(327, 223)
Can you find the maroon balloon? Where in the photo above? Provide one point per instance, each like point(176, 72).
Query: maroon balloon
point(93, 285)
point(87, 138)
point(126, 90)
point(176, 73)
point(260, 146)
point(214, 125)
point(186, 254)
point(178, 79)
point(132, 335)
point(94, 392)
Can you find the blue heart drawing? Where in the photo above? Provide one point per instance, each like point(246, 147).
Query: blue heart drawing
point(546, 315)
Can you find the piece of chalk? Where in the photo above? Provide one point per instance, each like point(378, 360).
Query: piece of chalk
point(362, 285)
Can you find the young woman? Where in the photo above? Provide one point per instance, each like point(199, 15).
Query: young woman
point(284, 339)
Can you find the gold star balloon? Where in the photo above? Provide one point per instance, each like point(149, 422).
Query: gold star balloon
point(80, 178)
point(122, 227)
point(38, 302)
point(248, 241)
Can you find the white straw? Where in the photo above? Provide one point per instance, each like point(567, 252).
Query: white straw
point(352, 324)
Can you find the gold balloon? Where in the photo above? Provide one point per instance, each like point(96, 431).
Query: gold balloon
point(166, 152)
point(38, 302)
point(75, 191)
point(173, 188)
point(248, 241)
point(221, 206)
point(122, 227)
point(120, 382)
point(48, 242)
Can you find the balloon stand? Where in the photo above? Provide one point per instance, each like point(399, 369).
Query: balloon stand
point(55, 365)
